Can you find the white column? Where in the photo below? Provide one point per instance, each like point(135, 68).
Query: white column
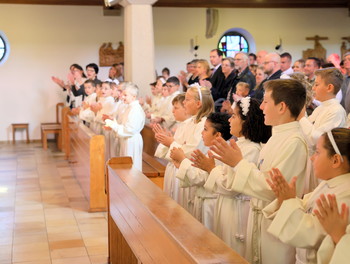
point(139, 43)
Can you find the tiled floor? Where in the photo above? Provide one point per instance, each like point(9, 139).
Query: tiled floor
point(43, 213)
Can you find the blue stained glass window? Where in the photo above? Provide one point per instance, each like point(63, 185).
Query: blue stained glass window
point(233, 42)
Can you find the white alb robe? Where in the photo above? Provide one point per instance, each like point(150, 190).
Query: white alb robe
point(170, 185)
point(286, 150)
point(328, 253)
point(295, 224)
point(330, 114)
point(204, 200)
point(188, 143)
point(232, 208)
point(128, 132)
point(88, 115)
point(107, 109)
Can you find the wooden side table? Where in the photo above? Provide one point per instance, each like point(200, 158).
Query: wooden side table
point(20, 126)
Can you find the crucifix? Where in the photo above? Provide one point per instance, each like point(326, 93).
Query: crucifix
point(343, 48)
point(318, 51)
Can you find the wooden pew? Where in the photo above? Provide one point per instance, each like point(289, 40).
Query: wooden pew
point(147, 226)
point(86, 153)
point(158, 165)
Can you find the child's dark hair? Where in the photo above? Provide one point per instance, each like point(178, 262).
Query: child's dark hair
point(291, 92)
point(91, 82)
point(221, 124)
point(253, 127)
point(342, 139)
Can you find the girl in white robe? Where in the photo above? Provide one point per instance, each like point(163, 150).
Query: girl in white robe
point(335, 247)
point(128, 130)
point(216, 125)
point(232, 208)
point(294, 221)
point(199, 104)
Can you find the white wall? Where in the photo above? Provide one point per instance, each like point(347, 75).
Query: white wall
point(174, 27)
point(45, 40)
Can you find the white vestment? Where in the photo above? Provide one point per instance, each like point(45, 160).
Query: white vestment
point(232, 208)
point(88, 115)
point(107, 109)
point(330, 114)
point(170, 170)
point(166, 111)
point(286, 150)
point(295, 224)
point(128, 132)
point(328, 253)
point(188, 140)
point(204, 200)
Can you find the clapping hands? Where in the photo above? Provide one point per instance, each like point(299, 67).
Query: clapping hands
point(333, 222)
point(282, 189)
point(229, 154)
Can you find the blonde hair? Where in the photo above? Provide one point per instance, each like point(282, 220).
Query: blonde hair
point(244, 85)
point(206, 100)
point(205, 65)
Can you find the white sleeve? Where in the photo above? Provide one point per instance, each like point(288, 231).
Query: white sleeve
point(134, 124)
point(331, 120)
point(293, 226)
point(291, 161)
point(189, 175)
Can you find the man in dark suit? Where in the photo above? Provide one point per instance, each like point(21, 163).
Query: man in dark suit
point(217, 77)
point(272, 67)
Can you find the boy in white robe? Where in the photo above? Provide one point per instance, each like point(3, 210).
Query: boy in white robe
point(170, 185)
point(128, 130)
point(152, 105)
point(216, 125)
point(104, 106)
point(286, 150)
point(330, 113)
point(165, 116)
point(85, 112)
point(294, 220)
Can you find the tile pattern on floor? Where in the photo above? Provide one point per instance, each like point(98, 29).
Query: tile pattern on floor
point(43, 212)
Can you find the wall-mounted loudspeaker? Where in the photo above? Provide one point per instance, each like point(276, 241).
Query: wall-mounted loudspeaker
point(212, 22)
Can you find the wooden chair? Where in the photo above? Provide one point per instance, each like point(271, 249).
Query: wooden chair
point(53, 128)
point(20, 126)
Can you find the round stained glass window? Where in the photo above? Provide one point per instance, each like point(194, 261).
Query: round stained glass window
point(233, 42)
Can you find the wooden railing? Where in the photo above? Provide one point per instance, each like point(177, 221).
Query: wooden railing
point(147, 226)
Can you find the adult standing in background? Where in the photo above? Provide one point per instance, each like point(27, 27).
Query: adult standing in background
point(286, 63)
point(345, 88)
point(272, 68)
point(260, 57)
point(217, 78)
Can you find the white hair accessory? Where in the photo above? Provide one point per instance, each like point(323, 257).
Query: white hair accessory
point(245, 103)
point(334, 145)
point(196, 85)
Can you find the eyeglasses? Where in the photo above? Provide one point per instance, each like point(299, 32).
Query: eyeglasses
point(237, 59)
